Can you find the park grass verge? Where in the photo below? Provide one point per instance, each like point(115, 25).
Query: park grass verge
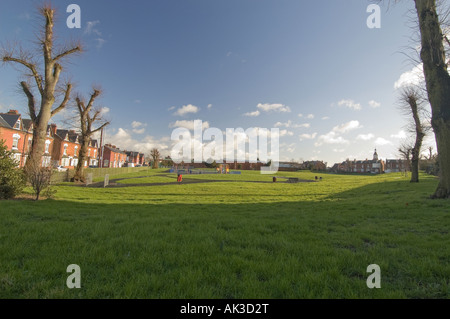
point(231, 240)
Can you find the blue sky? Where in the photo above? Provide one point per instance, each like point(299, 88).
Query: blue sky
point(311, 68)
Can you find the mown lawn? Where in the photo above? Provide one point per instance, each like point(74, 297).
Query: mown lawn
point(242, 238)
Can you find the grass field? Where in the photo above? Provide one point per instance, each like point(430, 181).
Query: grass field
point(244, 237)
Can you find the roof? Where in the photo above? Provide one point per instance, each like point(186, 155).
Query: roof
point(26, 124)
point(115, 150)
point(3, 123)
point(11, 119)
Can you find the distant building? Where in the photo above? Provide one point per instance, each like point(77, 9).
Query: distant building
point(396, 165)
point(373, 166)
point(113, 157)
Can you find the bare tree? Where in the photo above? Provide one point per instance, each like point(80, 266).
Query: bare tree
point(405, 152)
point(46, 84)
point(437, 81)
point(155, 154)
point(38, 177)
point(88, 115)
point(411, 103)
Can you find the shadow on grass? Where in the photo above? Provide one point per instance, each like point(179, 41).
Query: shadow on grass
point(286, 249)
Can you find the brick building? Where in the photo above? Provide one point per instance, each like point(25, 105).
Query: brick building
point(396, 165)
point(373, 166)
point(18, 135)
point(113, 157)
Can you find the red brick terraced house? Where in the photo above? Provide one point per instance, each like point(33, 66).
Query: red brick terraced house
point(373, 166)
point(396, 165)
point(113, 157)
point(67, 148)
point(18, 134)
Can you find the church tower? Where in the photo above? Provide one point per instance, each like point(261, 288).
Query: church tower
point(375, 156)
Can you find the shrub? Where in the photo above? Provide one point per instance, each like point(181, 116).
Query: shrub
point(39, 177)
point(12, 179)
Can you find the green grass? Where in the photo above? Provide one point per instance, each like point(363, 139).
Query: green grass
point(234, 239)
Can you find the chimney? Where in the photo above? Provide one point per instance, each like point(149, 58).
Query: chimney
point(113, 146)
point(13, 112)
point(53, 128)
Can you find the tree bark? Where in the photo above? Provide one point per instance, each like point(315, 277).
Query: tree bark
point(415, 152)
point(438, 87)
point(79, 171)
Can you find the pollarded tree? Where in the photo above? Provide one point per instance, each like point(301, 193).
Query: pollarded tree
point(411, 103)
point(437, 80)
point(155, 154)
point(43, 79)
point(88, 116)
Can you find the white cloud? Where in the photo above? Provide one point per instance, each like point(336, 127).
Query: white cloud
point(273, 107)
point(139, 131)
point(330, 138)
point(289, 124)
point(374, 104)
point(209, 106)
point(185, 109)
point(412, 77)
point(347, 127)
point(137, 124)
point(171, 108)
point(325, 118)
point(310, 116)
point(381, 141)
point(286, 132)
point(138, 127)
point(338, 150)
point(188, 124)
point(253, 114)
point(123, 140)
point(305, 125)
point(100, 43)
point(90, 28)
point(104, 110)
point(307, 136)
point(350, 104)
point(400, 134)
point(365, 137)
point(300, 115)
point(137, 101)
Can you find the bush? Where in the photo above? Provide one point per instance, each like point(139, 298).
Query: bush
point(38, 177)
point(12, 179)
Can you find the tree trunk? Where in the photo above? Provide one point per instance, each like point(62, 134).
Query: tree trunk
point(82, 157)
point(438, 87)
point(39, 136)
point(415, 152)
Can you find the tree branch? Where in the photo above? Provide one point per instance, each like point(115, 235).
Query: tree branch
point(98, 129)
point(68, 52)
point(30, 66)
point(31, 102)
point(64, 102)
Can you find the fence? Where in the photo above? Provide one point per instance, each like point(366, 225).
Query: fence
point(60, 177)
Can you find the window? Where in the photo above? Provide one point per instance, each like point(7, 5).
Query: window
point(65, 149)
point(89, 153)
point(30, 141)
point(76, 151)
point(17, 125)
point(47, 145)
point(15, 144)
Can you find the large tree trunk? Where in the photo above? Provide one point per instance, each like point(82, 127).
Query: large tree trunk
point(39, 136)
point(438, 87)
point(82, 157)
point(415, 152)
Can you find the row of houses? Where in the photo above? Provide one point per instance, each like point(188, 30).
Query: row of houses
point(61, 146)
point(373, 166)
